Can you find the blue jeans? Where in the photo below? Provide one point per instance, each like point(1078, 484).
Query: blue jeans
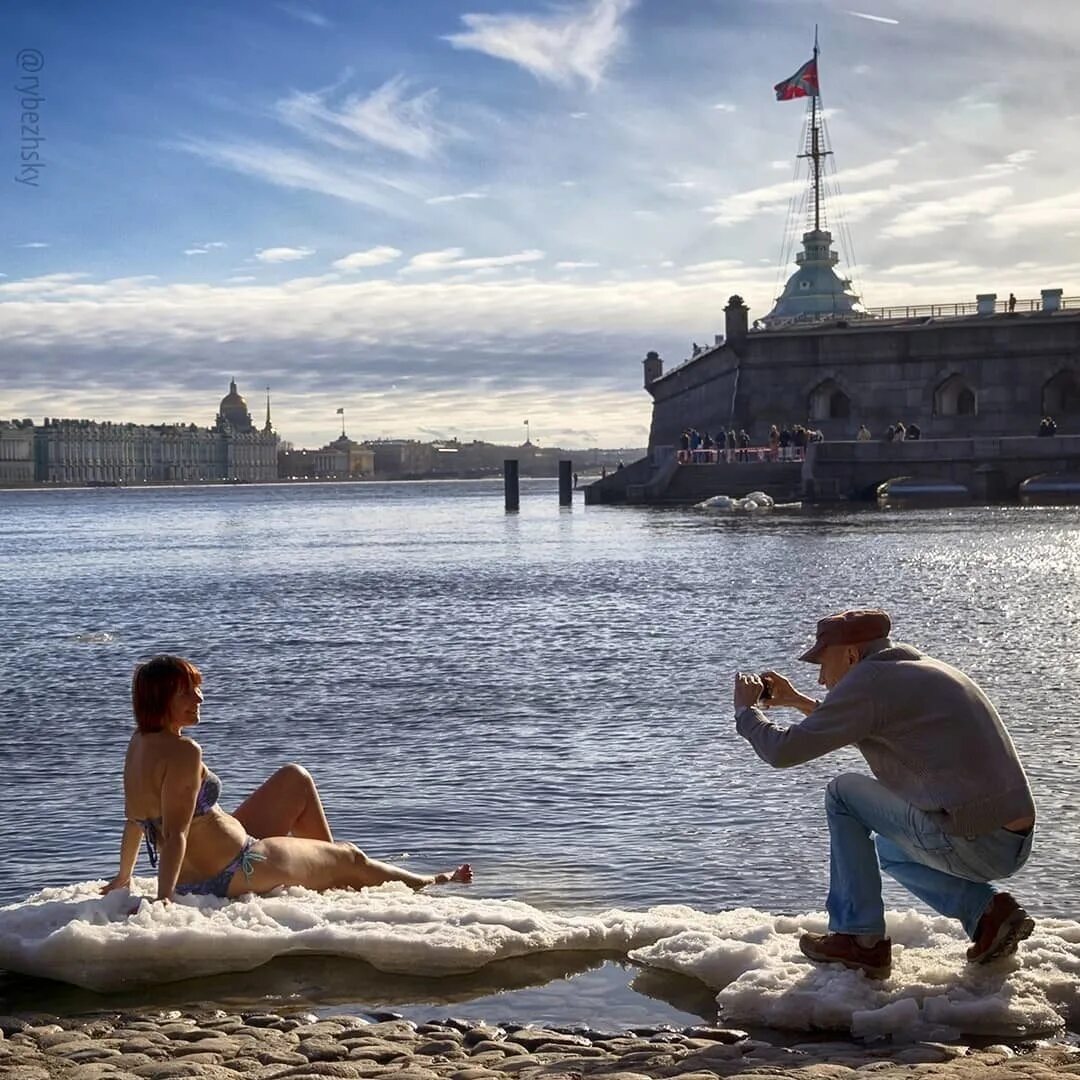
point(949, 873)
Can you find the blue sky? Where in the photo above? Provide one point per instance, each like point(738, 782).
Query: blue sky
point(446, 217)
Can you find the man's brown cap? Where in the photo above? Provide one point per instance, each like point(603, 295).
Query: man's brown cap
point(848, 628)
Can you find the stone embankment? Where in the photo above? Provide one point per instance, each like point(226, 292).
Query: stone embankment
point(266, 1046)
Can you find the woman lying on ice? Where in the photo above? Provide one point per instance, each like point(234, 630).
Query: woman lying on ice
point(277, 836)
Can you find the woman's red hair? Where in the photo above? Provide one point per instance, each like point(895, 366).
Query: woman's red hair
point(153, 686)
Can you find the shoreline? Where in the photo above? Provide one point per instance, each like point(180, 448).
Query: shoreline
point(221, 1045)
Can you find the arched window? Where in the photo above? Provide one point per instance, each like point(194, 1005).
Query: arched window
point(1061, 394)
point(954, 397)
point(828, 402)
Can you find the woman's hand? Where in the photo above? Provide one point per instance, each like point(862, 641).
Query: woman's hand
point(117, 882)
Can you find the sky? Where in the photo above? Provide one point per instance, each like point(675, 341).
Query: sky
point(449, 217)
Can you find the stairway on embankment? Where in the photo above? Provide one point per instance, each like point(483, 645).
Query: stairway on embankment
point(686, 485)
point(692, 484)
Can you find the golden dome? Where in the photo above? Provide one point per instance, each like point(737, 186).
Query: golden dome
point(232, 401)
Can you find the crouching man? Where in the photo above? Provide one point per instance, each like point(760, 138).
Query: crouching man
point(947, 811)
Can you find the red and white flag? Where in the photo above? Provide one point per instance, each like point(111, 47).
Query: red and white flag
point(802, 84)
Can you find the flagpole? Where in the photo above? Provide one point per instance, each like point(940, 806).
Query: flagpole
point(814, 148)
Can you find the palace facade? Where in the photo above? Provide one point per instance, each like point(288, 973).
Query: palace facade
point(63, 451)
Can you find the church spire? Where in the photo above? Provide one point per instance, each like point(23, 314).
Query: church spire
point(268, 428)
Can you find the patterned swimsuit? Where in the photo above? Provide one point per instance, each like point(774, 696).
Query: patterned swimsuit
point(218, 885)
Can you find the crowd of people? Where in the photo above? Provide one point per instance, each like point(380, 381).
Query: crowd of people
point(787, 443)
point(898, 432)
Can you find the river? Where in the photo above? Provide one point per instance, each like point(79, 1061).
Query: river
point(545, 694)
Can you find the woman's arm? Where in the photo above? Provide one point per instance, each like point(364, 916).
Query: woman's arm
point(180, 789)
point(129, 852)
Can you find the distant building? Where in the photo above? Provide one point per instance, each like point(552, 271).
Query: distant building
point(342, 459)
point(16, 451)
point(62, 451)
point(403, 457)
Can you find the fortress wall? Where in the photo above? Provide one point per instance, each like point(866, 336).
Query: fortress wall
point(889, 374)
point(696, 395)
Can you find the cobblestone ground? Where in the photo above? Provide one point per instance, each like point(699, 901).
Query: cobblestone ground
point(265, 1046)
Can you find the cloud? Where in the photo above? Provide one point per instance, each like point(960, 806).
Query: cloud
point(875, 18)
point(240, 279)
point(283, 254)
point(578, 115)
point(60, 283)
point(740, 207)
point(724, 106)
point(567, 46)
point(1052, 212)
point(312, 18)
point(375, 256)
point(713, 267)
point(567, 265)
point(1013, 162)
point(32, 244)
point(450, 259)
point(295, 169)
point(388, 117)
point(933, 217)
point(439, 199)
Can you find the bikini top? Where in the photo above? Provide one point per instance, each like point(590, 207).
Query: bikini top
point(205, 801)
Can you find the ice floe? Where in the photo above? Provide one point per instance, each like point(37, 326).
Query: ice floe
point(755, 500)
point(750, 958)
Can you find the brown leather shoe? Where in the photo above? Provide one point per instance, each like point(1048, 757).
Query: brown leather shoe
point(875, 962)
point(1004, 924)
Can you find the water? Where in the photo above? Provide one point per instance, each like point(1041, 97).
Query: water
point(547, 694)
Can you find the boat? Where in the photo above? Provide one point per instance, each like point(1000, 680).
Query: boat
point(1052, 488)
point(912, 488)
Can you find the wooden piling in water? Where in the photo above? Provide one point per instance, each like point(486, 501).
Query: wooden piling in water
point(566, 483)
point(510, 484)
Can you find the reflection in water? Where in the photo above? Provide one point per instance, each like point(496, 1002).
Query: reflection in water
point(556, 988)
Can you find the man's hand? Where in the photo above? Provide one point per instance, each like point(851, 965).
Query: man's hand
point(116, 883)
point(748, 690)
point(783, 693)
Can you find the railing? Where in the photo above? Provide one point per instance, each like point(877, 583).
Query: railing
point(945, 311)
point(744, 454)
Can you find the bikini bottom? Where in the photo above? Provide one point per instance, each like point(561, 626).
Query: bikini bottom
point(218, 885)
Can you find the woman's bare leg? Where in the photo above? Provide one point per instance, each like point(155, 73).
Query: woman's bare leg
point(382, 872)
point(316, 865)
point(287, 804)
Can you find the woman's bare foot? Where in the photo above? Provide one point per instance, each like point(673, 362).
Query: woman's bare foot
point(462, 875)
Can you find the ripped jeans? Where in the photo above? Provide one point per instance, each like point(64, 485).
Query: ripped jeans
point(869, 825)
